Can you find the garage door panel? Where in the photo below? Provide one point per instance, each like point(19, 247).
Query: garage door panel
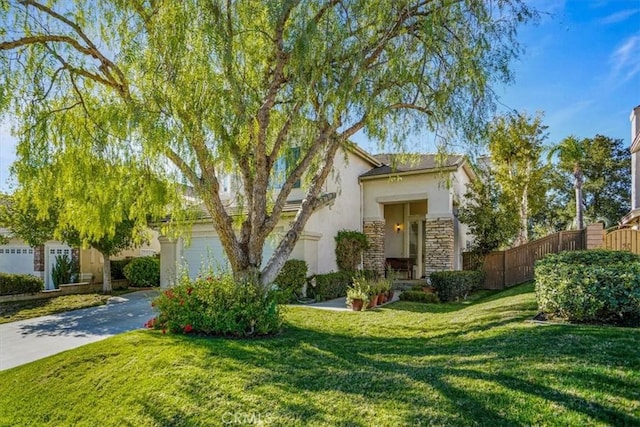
point(16, 259)
point(207, 253)
point(202, 254)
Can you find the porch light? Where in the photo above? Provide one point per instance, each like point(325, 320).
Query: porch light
point(398, 227)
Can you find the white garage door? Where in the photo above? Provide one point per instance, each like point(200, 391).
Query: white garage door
point(204, 253)
point(207, 252)
point(16, 259)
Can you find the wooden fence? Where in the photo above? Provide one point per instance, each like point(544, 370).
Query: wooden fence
point(623, 239)
point(513, 266)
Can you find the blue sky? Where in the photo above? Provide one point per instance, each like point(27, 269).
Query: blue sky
point(581, 67)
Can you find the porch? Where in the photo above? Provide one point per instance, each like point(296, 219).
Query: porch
point(410, 241)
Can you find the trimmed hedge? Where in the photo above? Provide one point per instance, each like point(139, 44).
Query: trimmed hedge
point(349, 248)
point(454, 285)
point(143, 271)
point(330, 285)
point(11, 284)
point(291, 279)
point(588, 286)
point(418, 296)
point(117, 268)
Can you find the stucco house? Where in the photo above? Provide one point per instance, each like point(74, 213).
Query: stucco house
point(407, 210)
point(18, 257)
point(633, 217)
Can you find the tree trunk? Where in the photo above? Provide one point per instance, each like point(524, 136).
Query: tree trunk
point(106, 274)
point(579, 208)
point(579, 178)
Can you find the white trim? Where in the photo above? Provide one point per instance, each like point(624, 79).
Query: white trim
point(402, 198)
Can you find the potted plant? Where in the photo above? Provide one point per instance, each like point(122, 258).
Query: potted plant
point(357, 299)
point(358, 294)
point(373, 295)
point(384, 286)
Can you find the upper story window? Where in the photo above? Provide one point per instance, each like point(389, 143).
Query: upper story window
point(283, 167)
point(225, 183)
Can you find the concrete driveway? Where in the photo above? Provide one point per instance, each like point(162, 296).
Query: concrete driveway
point(28, 340)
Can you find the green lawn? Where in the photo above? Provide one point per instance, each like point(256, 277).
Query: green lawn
point(480, 363)
point(20, 310)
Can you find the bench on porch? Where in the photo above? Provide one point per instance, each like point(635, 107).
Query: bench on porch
point(399, 264)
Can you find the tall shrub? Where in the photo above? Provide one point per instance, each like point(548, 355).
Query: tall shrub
point(291, 279)
point(143, 271)
point(349, 248)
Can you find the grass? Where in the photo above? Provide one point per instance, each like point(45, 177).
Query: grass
point(21, 310)
point(479, 363)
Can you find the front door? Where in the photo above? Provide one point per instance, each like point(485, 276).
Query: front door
point(417, 245)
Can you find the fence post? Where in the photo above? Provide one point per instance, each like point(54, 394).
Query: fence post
point(560, 242)
point(594, 236)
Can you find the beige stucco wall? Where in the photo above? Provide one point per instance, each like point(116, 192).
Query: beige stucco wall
point(460, 181)
point(394, 241)
point(384, 190)
point(345, 211)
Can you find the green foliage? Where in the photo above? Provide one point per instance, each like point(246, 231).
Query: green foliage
point(20, 215)
point(419, 296)
point(291, 279)
point(207, 87)
point(11, 284)
point(330, 285)
point(602, 163)
point(143, 271)
point(360, 289)
point(349, 248)
point(217, 306)
point(117, 268)
point(65, 270)
point(455, 285)
point(590, 286)
point(492, 222)
point(515, 145)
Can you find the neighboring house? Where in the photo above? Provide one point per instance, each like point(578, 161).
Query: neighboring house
point(17, 257)
point(633, 217)
point(407, 211)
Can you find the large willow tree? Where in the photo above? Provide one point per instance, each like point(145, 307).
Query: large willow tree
point(200, 89)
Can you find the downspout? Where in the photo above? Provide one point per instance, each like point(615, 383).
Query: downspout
point(361, 217)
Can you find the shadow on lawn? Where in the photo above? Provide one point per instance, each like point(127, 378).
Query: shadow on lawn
point(480, 297)
point(501, 377)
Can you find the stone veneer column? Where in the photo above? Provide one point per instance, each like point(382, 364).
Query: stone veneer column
point(374, 256)
point(438, 253)
point(38, 258)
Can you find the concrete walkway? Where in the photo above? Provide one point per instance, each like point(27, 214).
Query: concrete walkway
point(32, 339)
point(340, 304)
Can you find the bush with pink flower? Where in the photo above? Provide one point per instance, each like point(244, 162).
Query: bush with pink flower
point(217, 305)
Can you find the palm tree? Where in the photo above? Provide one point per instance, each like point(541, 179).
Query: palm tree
point(571, 156)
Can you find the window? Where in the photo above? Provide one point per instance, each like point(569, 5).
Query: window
point(225, 183)
point(284, 166)
point(1, 251)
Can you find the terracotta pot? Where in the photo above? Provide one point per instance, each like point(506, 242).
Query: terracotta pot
point(382, 298)
point(356, 304)
point(373, 302)
point(390, 296)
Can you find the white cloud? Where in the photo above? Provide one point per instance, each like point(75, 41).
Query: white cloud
point(625, 59)
point(617, 17)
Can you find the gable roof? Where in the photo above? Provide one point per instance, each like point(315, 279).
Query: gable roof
point(418, 163)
